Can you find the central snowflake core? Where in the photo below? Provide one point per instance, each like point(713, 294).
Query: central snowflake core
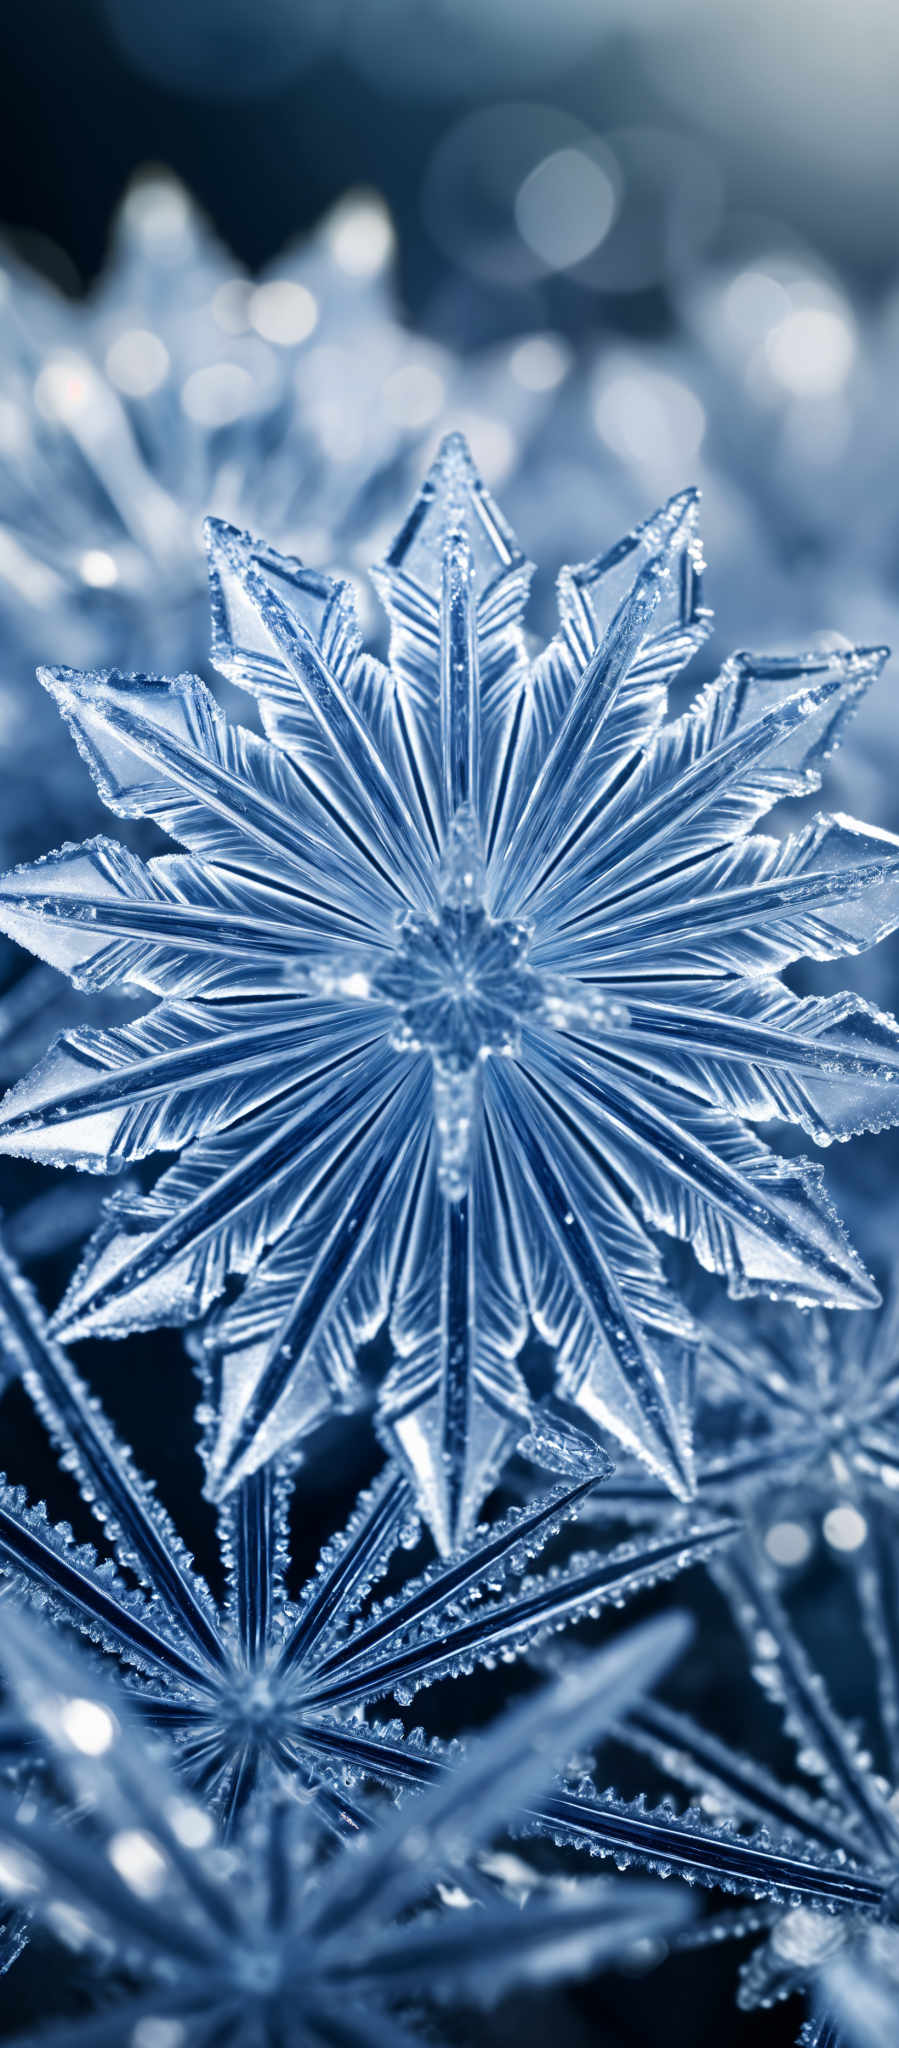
point(253, 1712)
point(460, 983)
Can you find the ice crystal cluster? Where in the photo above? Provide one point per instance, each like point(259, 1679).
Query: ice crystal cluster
point(469, 1002)
point(181, 386)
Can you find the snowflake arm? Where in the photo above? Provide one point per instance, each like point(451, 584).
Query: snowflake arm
point(757, 735)
point(167, 1255)
point(736, 1783)
point(786, 1675)
point(715, 1855)
point(507, 1772)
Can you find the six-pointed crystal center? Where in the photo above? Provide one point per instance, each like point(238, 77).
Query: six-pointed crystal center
point(460, 983)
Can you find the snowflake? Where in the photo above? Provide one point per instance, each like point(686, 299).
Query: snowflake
point(263, 1686)
point(260, 1940)
point(474, 961)
point(841, 1807)
point(798, 1422)
point(814, 1441)
point(261, 1682)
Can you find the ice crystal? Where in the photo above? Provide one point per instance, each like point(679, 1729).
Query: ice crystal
point(797, 1417)
point(474, 966)
point(814, 1444)
point(260, 1940)
point(840, 1807)
point(263, 1683)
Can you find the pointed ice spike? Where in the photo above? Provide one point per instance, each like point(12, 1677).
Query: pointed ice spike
point(505, 1771)
point(754, 906)
point(490, 1555)
point(140, 1256)
point(72, 1587)
point(780, 1239)
point(347, 1569)
point(383, 1657)
point(619, 1380)
point(749, 1584)
point(682, 1749)
point(101, 1100)
point(350, 765)
point(451, 1421)
point(460, 690)
point(121, 1498)
point(828, 1065)
point(163, 749)
point(548, 817)
point(416, 557)
point(109, 919)
point(328, 1278)
point(759, 733)
point(711, 1854)
point(253, 1563)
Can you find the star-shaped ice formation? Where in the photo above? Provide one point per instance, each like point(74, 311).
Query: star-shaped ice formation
point(798, 1419)
point(269, 1684)
point(474, 964)
point(258, 1941)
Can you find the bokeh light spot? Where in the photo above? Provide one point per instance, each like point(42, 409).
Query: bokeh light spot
point(413, 395)
point(788, 1543)
point(811, 352)
point(649, 419)
point(218, 395)
point(283, 311)
point(138, 362)
point(360, 234)
point(845, 1528)
point(565, 207)
point(140, 1864)
point(540, 362)
point(87, 1726)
